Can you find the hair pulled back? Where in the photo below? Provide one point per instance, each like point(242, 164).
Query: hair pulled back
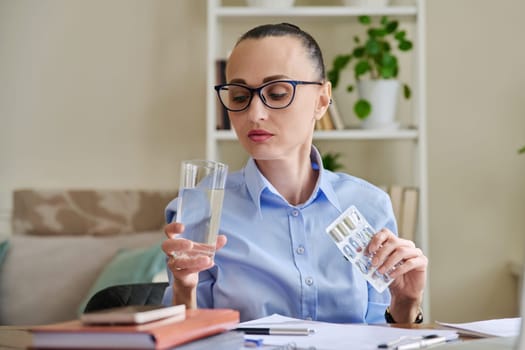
point(287, 29)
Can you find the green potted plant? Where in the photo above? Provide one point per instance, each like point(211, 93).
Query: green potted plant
point(331, 161)
point(375, 67)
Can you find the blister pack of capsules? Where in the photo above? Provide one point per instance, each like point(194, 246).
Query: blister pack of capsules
point(352, 233)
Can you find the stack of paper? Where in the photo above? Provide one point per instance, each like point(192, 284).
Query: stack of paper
point(503, 327)
point(336, 336)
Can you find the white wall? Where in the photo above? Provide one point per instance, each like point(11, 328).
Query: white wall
point(100, 93)
point(110, 94)
point(476, 110)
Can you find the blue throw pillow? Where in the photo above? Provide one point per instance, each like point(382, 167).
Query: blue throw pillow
point(4, 247)
point(129, 266)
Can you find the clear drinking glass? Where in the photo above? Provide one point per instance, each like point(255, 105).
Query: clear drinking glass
point(199, 206)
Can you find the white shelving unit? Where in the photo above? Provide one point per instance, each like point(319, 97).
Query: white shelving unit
point(220, 16)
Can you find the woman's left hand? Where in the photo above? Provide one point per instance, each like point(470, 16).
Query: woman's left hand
point(404, 262)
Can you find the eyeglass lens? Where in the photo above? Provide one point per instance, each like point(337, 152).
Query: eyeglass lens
point(274, 95)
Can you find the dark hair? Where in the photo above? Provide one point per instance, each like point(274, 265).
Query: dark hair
point(287, 29)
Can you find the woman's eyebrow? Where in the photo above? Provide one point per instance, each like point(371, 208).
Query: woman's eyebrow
point(265, 80)
point(275, 77)
point(237, 81)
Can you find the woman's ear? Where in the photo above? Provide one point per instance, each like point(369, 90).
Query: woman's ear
point(324, 100)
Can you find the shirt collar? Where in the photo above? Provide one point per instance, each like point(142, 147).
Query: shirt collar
point(257, 183)
point(323, 183)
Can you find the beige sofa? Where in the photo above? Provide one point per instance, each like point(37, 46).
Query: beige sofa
point(66, 245)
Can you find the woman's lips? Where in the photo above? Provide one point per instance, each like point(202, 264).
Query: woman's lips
point(259, 135)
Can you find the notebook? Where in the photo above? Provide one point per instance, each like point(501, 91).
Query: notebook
point(497, 343)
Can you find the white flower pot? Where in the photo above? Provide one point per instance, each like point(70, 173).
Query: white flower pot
point(270, 3)
point(366, 3)
point(383, 95)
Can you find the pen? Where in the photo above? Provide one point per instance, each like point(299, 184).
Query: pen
point(275, 331)
point(421, 344)
point(253, 343)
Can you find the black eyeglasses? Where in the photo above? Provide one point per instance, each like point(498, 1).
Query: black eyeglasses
point(277, 94)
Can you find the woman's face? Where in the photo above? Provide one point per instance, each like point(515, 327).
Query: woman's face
point(276, 133)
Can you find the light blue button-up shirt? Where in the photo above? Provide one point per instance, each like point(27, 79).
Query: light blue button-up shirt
point(279, 259)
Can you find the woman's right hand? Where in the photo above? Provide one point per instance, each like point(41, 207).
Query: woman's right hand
point(185, 268)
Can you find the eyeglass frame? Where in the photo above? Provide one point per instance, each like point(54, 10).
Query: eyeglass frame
point(258, 90)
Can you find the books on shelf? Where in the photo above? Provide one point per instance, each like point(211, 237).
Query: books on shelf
point(336, 117)
point(223, 121)
point(331, 120)
point(409, 213)
point(396, 196)
point(405, 202)
point(162, 334)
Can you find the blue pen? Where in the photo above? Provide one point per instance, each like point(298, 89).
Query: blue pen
point(253, 343)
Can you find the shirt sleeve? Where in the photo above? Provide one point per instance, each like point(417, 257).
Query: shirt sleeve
point(377, 304)
point(205, 288)
point(171, 211)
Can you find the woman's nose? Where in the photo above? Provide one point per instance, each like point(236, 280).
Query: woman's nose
point(257, 110)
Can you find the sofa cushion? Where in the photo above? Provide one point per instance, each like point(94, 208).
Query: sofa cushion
point(44, 279)
point(4, 246)
point(139, 265)
point(88, 212)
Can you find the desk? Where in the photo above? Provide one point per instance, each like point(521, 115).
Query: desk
point(18, 337)
point(15, 337)
point(431, 326)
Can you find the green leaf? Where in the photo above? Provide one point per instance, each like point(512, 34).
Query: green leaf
point(376, 32)
point(364, 19)
point(391, 27)
point(521, 150)
point(362, 109)
point(387, 72)
point(372, 47)
point(361, 68)
point(405, 45)
point(333, 77)
point(406, 91)
point(388, 60)
point(359, 52)
point(384, 20)
point(400, 36)
point(350, 88)
point(339, 63)
point(386, 46)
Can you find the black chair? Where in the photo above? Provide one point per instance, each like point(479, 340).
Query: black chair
point(127, 294)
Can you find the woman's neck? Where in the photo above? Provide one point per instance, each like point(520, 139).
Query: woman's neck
point(294, 179)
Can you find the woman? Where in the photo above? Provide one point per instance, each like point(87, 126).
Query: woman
point(273, 255)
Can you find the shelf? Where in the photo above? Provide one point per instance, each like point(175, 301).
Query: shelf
point(233, 12)
point(349, 134)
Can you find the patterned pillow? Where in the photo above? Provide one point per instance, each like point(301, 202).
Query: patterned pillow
point(88, 212)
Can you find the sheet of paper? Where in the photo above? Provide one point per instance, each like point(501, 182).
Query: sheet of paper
point(502, 327)
point(334, 336)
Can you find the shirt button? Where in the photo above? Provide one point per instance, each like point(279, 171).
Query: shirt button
point(309, 281)
point(300, 250)
point(295, 212)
